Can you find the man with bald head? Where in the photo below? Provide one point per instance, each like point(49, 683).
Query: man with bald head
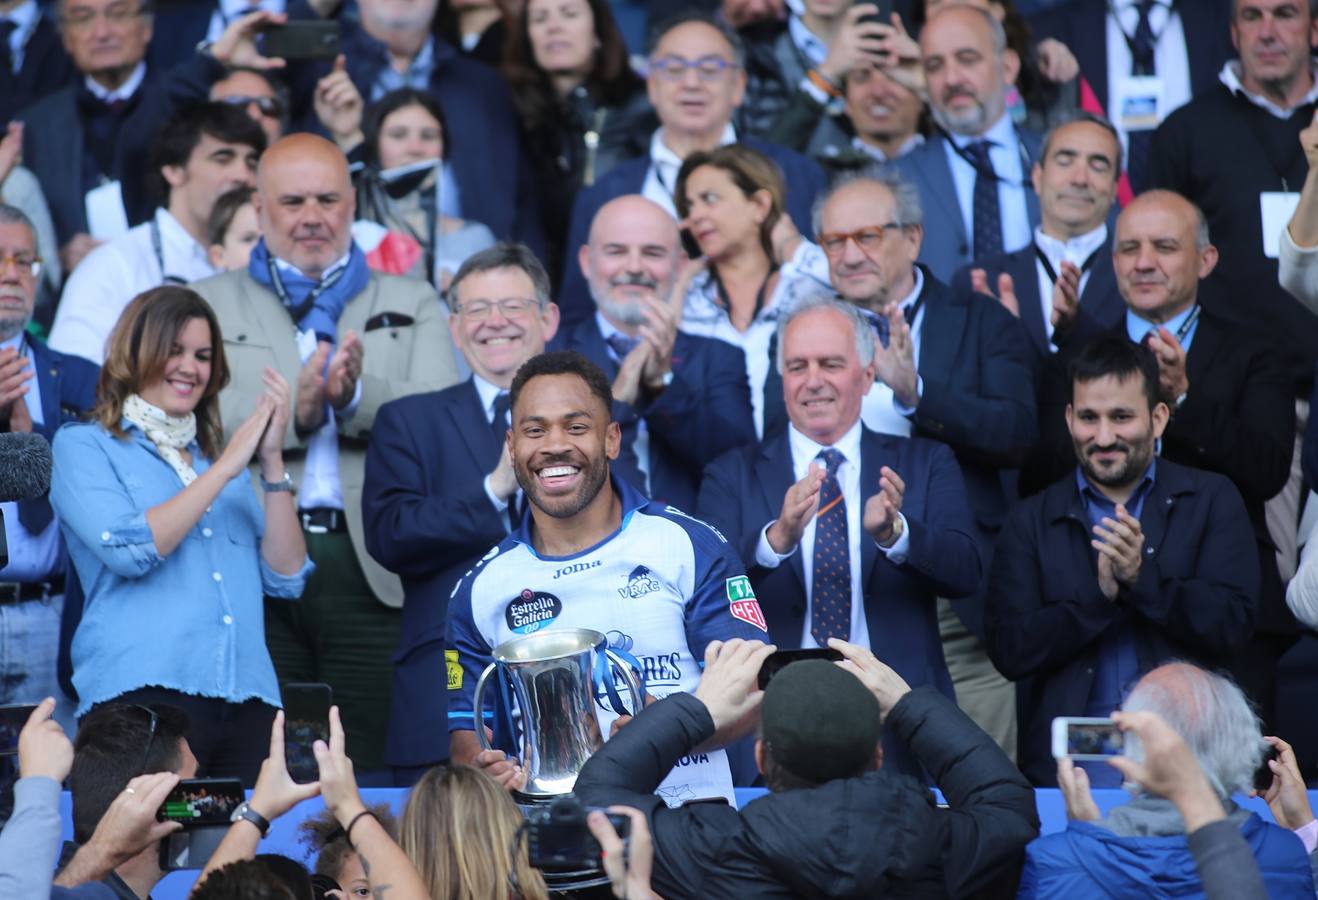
point(974, 177)
point(1130, 849)
point(1229, 395)
point(681, 400)
point(350, 340)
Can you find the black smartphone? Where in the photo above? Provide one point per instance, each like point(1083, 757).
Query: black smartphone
point(306, 720)
point(774, 664)
point(198, 802)
point(301, 39)
point(689, 245)
point(12, 720)
point(883, 16)
point(190, 848)
point(1263, 775)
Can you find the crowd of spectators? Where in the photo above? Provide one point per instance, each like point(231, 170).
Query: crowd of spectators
point(973, 339)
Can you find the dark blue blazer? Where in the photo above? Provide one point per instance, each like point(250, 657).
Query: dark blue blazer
point(482, 140)
point(46, 68)
point(946, 246)
point(705, 412)
point(1101, 306)
point(743, 491)
point(1196, 596)
point(804, 179)
point(1082, 26)
point(427, 518)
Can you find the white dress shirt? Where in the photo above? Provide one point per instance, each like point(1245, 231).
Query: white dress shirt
point(1007, 154)
point(880, 410)
point(32, 557)
point(123, 91)
point(1075, 251)
point(910, 144)
point(805, 452)
point(1171, 58)
point(116, 272)
point(641, 442)
point(661, 179)
point(25, 17)
point(1231, 77)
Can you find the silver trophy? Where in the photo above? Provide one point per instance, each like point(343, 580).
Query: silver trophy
point(552, 677)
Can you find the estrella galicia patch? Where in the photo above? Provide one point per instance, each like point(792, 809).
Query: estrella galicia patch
point(639, 583)
point(532, 610)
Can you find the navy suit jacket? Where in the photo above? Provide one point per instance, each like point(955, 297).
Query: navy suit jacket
point(427, 518)
point(1101, 306)
point(1196, 596)
point(946, 246)
point(1082, 26)
point(804, 179)
point(482, 142)
point(705, 412)
point(743, 492)
point(46, 68)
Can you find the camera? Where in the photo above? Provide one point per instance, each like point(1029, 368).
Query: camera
point(557, 836)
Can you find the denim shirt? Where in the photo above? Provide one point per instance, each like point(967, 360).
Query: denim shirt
point(192, 621)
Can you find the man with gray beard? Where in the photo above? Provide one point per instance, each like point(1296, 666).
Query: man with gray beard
point(974, 174)
point(39, 391)
point(681, 400)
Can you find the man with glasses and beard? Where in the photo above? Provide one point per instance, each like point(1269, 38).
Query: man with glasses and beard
point(592, 553)
point(1125, 563)
point(681, 400)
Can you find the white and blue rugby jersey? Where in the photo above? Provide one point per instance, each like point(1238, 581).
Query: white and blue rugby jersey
point(661, 588)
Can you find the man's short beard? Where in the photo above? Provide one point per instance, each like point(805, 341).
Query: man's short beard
point(594, 477)
point(969, 124)
point(1138, 456)
point(11, 325)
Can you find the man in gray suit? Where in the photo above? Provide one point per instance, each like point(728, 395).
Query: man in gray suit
point(350, 340)
point(974, 174)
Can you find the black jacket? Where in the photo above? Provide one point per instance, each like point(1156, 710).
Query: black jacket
point(879, 835)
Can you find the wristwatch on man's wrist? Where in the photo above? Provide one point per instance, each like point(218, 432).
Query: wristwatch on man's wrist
point(245, 811)
point(284, 484)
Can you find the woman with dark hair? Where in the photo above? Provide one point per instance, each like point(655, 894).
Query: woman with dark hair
point(731, 205)
point(582, 107)
point(337, 863)
point(172, 546)
point(403, 188)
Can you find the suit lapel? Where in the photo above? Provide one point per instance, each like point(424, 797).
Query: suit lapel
point(873, 447)
point(467, 415)
point(1198, 20)
point(1091, 54)
point(1024, 273)
point(940, 336)
point(1203, 350)
point(50, 379)
point(588, 341)
point(1100, 297)
point(774, 473)
point(943, 190)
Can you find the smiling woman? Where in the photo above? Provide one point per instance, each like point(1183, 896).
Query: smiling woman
point(168, 536)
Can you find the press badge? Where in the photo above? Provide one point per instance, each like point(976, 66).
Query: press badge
point(1275, 211)
point(1139, 102)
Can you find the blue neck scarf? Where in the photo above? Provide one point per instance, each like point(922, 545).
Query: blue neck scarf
point(314, 305)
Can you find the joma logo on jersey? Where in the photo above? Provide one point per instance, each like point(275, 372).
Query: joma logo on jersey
point(577, 567)
point(532, 610)
point(639, 583)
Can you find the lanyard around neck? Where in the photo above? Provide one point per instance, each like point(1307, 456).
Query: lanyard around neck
point(305, 306)
point(158, 247)
point(1052, 273)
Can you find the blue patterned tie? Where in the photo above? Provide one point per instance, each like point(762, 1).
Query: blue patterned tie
point(830, 600)
point(986, 214)
point(1142, 62)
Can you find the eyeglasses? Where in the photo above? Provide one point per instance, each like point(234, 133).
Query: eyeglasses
point(151, 735)
point(867, 239)
point(511, 307)
point(24, 262)
point(83, 17)
point(674, 68)
point(269, 106)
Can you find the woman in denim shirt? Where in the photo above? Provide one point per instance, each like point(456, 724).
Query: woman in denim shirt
point(172, 546)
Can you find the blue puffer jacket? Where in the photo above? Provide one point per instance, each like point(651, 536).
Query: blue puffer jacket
point(1090, 862)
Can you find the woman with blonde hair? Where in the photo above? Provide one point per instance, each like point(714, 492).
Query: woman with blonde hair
point(459, 828)
point(172, 546)
point(732, 205)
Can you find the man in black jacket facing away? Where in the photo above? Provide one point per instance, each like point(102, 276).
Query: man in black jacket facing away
point(835, 824)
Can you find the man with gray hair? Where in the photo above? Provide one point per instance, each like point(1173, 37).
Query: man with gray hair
point(951, 366)
point(974, 176)
point(1129, 851)
point(39, 391)
point(681, 400)
point(846, 532)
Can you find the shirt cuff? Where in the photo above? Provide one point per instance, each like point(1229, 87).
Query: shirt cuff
point(348, 411)
point(765, 555)
point(902, 408)
point(500, 505)
point(901, 547)
point(285, 587)
point(1308, 835)
point(814, 92)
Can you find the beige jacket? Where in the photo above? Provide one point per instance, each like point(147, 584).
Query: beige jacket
point(398, 359)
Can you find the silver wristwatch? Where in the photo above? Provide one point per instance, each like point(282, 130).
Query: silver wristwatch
point(284, 484)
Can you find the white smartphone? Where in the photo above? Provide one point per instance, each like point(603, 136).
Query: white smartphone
point(1078, 737)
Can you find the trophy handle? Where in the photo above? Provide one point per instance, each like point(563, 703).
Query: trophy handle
point(478, 708)
point(633, 685)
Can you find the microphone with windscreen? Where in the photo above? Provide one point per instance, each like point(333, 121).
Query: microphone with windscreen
point(24, 474)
